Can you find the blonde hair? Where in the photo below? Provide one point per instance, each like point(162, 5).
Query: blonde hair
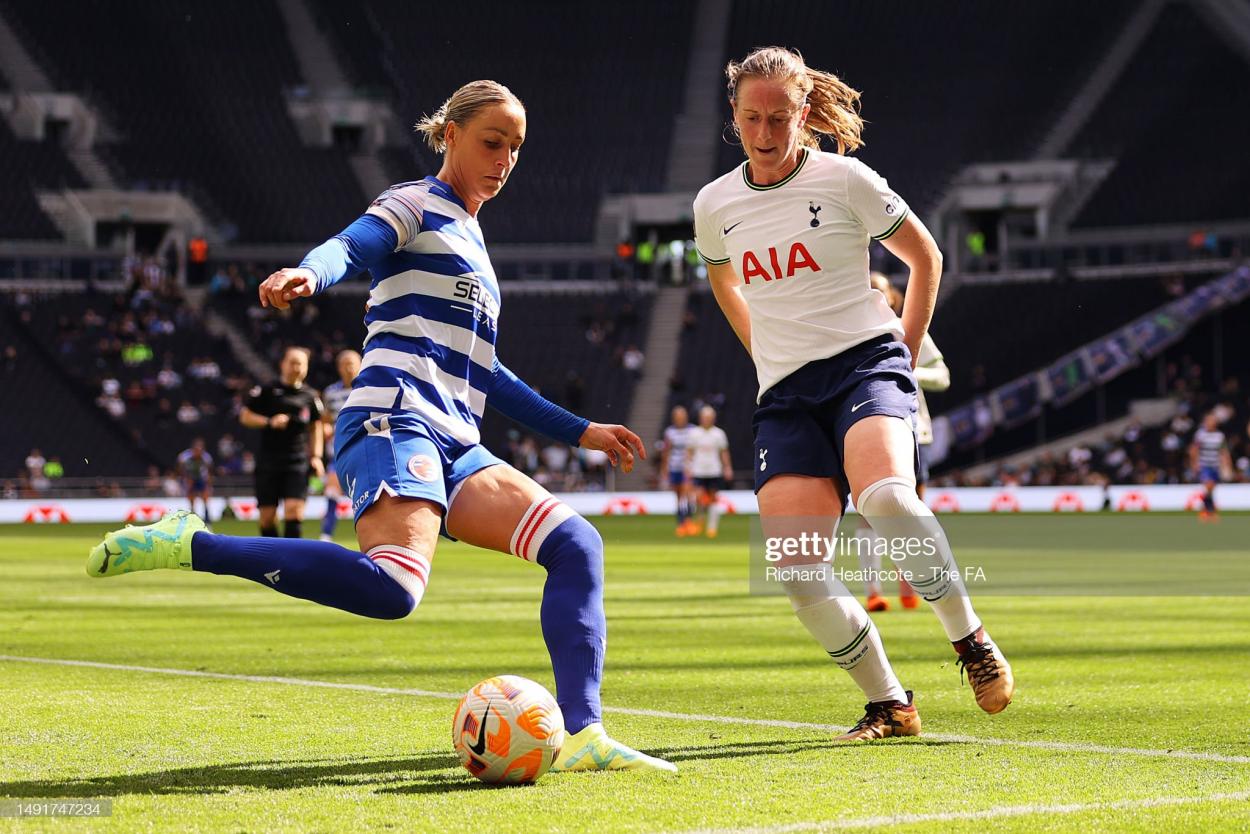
point(463, 105)
point(835, 105)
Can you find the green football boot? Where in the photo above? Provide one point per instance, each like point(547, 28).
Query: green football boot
point(164, 544)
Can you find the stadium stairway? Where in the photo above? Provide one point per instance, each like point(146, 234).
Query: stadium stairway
point(692, 158)
point(649, 413)
point(221, 327)
point(17, 65)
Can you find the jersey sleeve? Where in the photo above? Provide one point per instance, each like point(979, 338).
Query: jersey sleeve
point(722, 440)
point(877, 208)
point(401, 207)
point(258, 401)
point(707, 238)
point(318, 408)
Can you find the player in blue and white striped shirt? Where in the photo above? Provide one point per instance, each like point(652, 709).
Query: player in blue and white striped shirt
point(407, 439)
point(334, 397)
point(1208, 453)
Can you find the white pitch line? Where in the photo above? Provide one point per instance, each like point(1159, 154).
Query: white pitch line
point(986, 814)
point(1058, 746)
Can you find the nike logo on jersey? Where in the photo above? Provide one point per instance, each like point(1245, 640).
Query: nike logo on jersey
point(858, 406)
point(729, 229)
point(272, 576)
point(479, 746)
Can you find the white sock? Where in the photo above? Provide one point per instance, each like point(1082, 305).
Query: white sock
point(713, 517)
point(842, 627)
point(869, 558)
point(897, 513)
point(406, 566)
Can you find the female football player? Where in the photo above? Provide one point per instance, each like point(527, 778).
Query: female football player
point(407, 438)
point(786, 236)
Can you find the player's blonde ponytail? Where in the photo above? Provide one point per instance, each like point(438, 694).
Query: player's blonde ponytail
point(835, 104)
point(463, 105)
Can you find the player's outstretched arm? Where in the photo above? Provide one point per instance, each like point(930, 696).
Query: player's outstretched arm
point(513, 398)
point(355, 249)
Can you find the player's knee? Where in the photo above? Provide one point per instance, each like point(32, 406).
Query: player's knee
point(403, 574)
point(890, 497)
point(395, 604)
point(560, 540)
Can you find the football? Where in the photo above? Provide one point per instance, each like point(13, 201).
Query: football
point(507, 730)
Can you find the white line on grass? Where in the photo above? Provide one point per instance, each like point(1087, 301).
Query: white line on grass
point(1061, 746)
point(988, 813)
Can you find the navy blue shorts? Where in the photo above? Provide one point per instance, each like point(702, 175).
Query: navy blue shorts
point(676, 479)
point(1208, 474)
point(922, 464)
point(801, 422)
point(712, 484)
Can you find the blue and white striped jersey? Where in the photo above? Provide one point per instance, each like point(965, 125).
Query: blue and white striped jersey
point(675, 442)
point(334, 397)
point(432, 314)
point(1210, 444)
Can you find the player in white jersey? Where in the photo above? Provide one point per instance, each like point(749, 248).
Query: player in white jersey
point(673, 472)
point(407, 440)
point(707, 460)
point(932, 375)
point(1208, 455)
point(785, 236)
point(334, 398)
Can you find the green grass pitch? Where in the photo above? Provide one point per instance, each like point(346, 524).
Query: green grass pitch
point(1130, 713)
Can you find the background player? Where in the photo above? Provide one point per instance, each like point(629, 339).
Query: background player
point(288, 413)
point(1208, 455)
point(195, 469)
point(785, 236)
point(932, 375)
point(673, 469)
point(333, 398)
point(408, 437)
point(707, 458)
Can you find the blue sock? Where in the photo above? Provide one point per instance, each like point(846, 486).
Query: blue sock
point(574, 625)
point(331, 519)
point(322, 572)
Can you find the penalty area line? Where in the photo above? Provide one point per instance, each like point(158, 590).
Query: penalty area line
point(1057, 746)
point(997, 812)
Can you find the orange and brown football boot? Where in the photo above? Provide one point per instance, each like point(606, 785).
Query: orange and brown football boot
point(876, 602)
point(987, 670)
point(883, 719)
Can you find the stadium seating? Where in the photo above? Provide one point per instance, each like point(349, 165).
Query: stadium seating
point(48, 410)
point(1176, 102)
point(601, 104)
point(1006, 72)
point(27, 167)
point(199, 96)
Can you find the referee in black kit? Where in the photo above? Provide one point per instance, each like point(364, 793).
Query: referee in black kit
point(286, 412)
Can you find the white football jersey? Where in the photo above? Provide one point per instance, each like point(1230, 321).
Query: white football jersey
point(705, 446)
point(932, 375)
point(800, 249)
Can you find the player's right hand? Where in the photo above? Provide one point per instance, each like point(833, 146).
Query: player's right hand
point(286, 285)
point(279, 421)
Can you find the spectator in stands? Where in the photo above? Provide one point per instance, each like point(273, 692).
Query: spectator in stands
point(188, 414)
point(35, 461)
point(633, 360)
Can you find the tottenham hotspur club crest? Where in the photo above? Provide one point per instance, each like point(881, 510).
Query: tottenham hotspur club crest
point(763, 462)
point(815, 210)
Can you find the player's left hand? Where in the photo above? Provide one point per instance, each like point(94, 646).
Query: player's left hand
point(317, 466)
point(621, 444)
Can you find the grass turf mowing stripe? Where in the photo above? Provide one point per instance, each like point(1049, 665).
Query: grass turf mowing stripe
point(988, 813)
point(1059, 746)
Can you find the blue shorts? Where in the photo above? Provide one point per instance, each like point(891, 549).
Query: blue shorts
point(197, 486)
point(801, 422)
point(399, 454)
point(676, 479)
point(1208, 473)
point(922, 464)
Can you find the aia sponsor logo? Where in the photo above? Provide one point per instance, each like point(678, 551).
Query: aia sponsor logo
point(798, 259)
